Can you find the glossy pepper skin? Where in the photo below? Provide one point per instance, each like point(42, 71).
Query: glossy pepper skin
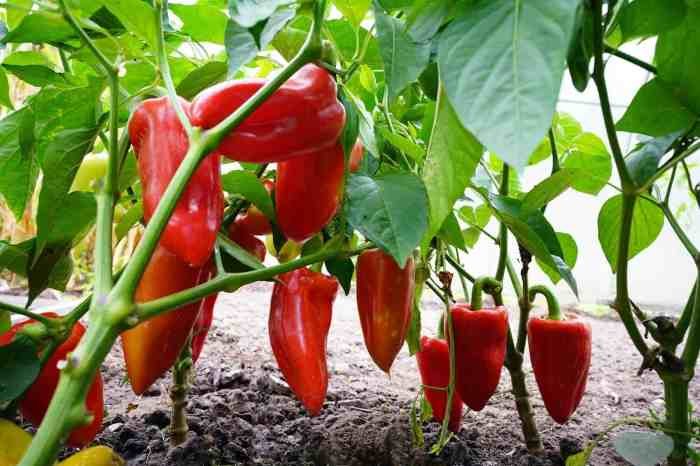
point(560, 352)
point(434, 366)
point(253, 220)
point(160, 143)
point(301, 117)
point(308, 192)
point(36, 399)
point(480, 348)
point(152, 347)
point(202, 325)
point(384, 301)
point(300, 317)
point(241, 236)
point(356, 156)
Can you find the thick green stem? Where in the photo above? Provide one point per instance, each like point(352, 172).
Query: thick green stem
point(460, 270)
point(553, 310)
point(453, 254)
point(692, 344)
point(677, 420)
point(178, 394)
point(503, 234)
point(514, 364)
point(686, 315)
point(491, 286)
point(24, 312)
point(631, 59)
point(514, 281)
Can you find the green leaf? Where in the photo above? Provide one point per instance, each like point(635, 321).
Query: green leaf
point(643, 448)
point(40, 27)
point(238, 253)
point(425, 18)
point(18, 168)
point(203, 23)
point(5, 321)
point(366, 123)
point(249, 186)
point(566, 129)
point(351, 130)
point(247, 13)
point(534, 232)
point(404, 60)
point(128, 220)
point(549, 188)
point(137, 16)
point(5, 90)
point(51, 268)
point(19, 365)
point(15, 257)
point(647, 222)
point(591, 160)
point(15, 16)
point(343, 270)
point(201, 78)
point(570, 250)
point(656, 111)
point(643, 161)
point(478, 216)
point(502, 63)
point(345, 39)
point(453, 154)
point(354, 10)
point(645, 18)
point(376, 207)
point(36, 75)
point(404, 144)
point(677, 56)
point(451, 233)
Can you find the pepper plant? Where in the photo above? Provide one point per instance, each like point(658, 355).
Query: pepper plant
point(408, 124)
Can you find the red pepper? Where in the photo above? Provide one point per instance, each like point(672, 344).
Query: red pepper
point(36, 399)
point(241, 236)
point(434, 367)
point(301, 117)
point(308, 192)
point(560, 351)
point(384, 300)
point(300, 317)
point(160, 142)
point(253, 220)
point(153, 346)
point(480, 347)
point(356, 156)
point(202, 325)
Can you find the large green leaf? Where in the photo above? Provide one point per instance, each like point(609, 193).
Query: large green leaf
point(40, 27)
point(15, 257)
point(549, 188)
point(390, 210)
point(201, 78)
point(677, 58)
point(645, 18)
point(18, 168)
point(249, 186)
point(203, 23)
point(404, 59)
point(137, 16)
point(643, 161)
point(656, 111)
point(592, 162)
point(643, 448)
point(346, 38)
point(570, 250)
point(248, 13)
point(354, 10)
point(5, 90)
point(425, 18)
point(534, 232)
point(502, 63)
point(20, 366)
point(453, 154)
point(647, 222)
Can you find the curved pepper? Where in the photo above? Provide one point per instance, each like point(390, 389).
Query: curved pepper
point(153, 346)
point(202, 325)
point(356, 156)
point(480, 348)
point(300, 317)
point(560, 351)
point(35, 401)
point(308, 192)
point(384, 300)
point(434, 366)
point(301, 117)
point(241, 236)
point(253, 220)
point(160, 143)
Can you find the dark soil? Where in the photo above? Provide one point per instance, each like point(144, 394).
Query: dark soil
point(241, 412)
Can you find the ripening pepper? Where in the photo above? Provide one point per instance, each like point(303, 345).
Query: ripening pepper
point(241, 236)
point(300, 317)
point(308, 192)
point(253, 220)
point(480, 347)
point(160, 144)
point(303, 116)
point(560, 351)
point(434, 367)
point(356, 156)
point(202, 325)
point(35, 401)
point(384, 301)
point(153, 346)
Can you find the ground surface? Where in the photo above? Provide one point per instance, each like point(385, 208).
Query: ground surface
point(242, 412)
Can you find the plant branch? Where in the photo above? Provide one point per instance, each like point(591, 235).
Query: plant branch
point(670, 163)
point(692, 345)
point(634, 60)
point(458, 267)
point(25, 312)
point(681, 234)
point(503, 234)
point(686, 315)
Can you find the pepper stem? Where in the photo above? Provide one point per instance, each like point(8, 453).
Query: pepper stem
point(491, 286)
point(553, 309)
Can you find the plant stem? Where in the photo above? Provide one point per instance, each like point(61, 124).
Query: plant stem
point(686, 315)
point(503, 234)
point(553, 310)
point(680, 233)
point(514, 364)
point(631, 59)
point(453, 255)
point(670, 163)
point(25, 312)
point(514, 281)
point(692, 345)
point(178, 394)
point(677, 420)
point(460, 270)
